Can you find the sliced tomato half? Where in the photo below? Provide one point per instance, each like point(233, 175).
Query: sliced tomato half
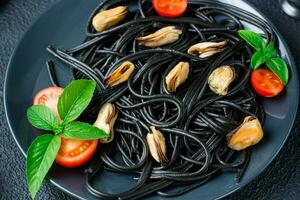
point(170, 8)
point(74, 153)
point(266, 83)
point(48, 97)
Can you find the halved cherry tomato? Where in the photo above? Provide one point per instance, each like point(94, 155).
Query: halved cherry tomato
point(48, 97)
point(266, 83)
point(72, 153)
point(170, 8)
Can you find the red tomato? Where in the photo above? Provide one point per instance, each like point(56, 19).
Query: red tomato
point(48, 97)
point(74, 153)
point(266, 83)
point(170, 8)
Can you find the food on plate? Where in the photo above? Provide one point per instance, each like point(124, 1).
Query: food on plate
point(71, 143)
point(170, 98)
point(74, 152)
point(106, 120)
point(170, 8)
point(177, 76)
point(157, 146)
point(207, 49)
point(266, 83)
point(163, 36)
point(247, 134)
point(121, 74)
point(48, 97)
point(221, 78)
point(108, 18)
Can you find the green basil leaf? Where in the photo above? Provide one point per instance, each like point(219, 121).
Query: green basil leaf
point(82, 131)
point(58, 129)
point(270, 50)
point(253, 39)
point(42, 117)
point(279, 67)
point(74, 99)
point(40, 156)
point(257, 59)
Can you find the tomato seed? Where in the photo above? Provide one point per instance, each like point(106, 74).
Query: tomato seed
point(263, 84)
point(80, 149)
point(276, 81)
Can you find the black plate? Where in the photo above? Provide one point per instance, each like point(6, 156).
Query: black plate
point(63, 26)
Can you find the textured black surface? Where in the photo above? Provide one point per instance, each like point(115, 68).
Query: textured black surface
point(281, 180)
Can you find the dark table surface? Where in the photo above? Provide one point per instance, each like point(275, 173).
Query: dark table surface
point(281, 180)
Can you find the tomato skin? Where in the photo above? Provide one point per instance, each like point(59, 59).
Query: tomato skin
point(266, 83)
point(48, 97)
point(74, 153)
point(82, 150)
point(170, 8)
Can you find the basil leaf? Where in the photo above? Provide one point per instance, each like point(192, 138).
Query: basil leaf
point(42, 117)
point(279, 67)
point(257, 59)
point(58, 129)
point(252, 38)
point(82, 131)
point(40, 156)
point(74, 99)
point(270, 50)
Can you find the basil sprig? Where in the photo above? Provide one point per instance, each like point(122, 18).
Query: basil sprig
point(265, 53)
point(43, 150)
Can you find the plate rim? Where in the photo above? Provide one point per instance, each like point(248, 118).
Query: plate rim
point(290, 58)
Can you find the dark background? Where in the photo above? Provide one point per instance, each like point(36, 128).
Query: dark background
point(281, 180)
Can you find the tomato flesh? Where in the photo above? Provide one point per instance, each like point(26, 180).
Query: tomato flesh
point(48, 97)
point(170, 8)
point(74, 153)
point(266, 83)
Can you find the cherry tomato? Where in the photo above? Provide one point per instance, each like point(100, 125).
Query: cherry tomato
point(74, 153)
point(48, 97)
point(266, 83)
point(170, 8)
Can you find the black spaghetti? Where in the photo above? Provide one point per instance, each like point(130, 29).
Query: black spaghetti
point(194, 120)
